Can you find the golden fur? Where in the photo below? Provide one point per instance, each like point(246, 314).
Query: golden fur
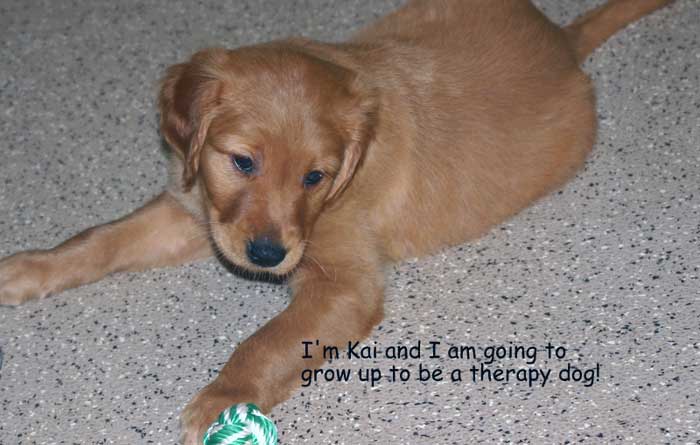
point(430, 126)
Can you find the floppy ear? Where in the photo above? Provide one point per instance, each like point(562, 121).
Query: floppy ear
point(189, 94)
point(358, 116)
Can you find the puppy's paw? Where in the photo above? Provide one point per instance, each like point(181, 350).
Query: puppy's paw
point(23, 276)
point(203, 410)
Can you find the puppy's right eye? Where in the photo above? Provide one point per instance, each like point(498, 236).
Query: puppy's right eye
point(244, 164)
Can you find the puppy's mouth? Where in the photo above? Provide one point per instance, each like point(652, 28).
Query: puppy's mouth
point(259, 255)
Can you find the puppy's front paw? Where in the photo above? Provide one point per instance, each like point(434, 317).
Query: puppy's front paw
point(203, 410)
point(23, 276)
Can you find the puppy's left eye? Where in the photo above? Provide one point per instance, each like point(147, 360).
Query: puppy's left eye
point(244, 164)
point(313, 178)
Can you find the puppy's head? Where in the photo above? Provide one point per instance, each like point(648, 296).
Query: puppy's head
point(271, 134)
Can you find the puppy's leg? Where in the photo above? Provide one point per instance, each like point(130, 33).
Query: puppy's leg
point(160, 234)
point(331, 303)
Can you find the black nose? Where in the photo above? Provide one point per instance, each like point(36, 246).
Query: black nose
point(265, 253)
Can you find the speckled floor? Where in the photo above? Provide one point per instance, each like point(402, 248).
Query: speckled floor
point(607, 268)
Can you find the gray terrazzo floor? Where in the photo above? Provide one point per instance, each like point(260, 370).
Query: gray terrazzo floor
point(607, 268)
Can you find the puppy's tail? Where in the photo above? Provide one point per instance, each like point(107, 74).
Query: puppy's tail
point(592, 29)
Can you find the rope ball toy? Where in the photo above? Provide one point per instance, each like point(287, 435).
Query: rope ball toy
point(242, 424)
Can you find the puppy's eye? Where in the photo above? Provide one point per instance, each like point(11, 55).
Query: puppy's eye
point(313, 178)
point(244, 164)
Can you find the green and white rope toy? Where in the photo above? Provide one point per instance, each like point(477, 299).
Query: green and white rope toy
point(242, 424)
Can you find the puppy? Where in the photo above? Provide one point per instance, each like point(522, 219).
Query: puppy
point(322, 163)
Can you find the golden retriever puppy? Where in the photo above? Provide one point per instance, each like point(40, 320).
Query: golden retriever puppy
point(323, 162)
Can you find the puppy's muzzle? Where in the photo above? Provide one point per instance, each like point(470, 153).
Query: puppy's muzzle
point(265, 252)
